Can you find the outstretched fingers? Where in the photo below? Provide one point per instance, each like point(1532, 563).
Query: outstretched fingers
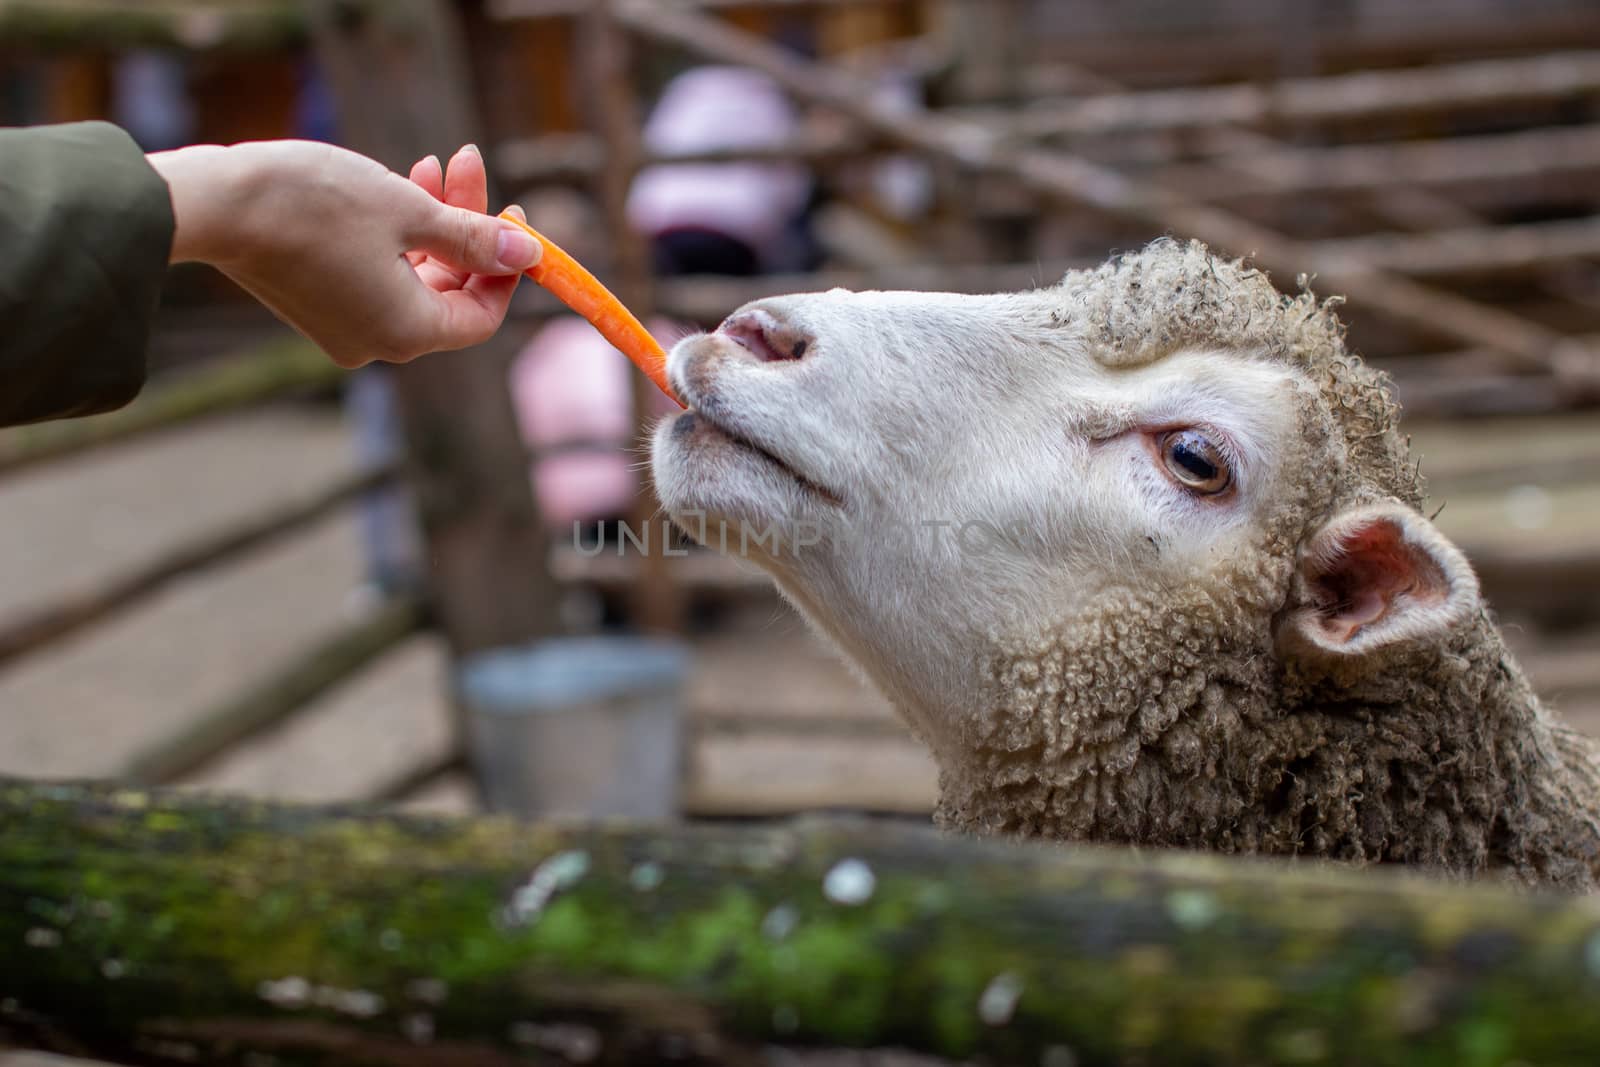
point(467, 261)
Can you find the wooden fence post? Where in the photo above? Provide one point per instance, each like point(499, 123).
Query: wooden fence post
point(604, 60)
point(400, 77)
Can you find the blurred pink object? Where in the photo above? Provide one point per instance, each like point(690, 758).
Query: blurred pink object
point(720, 107)
point(571, 390)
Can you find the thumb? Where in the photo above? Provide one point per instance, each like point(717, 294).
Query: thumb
point(475, 242)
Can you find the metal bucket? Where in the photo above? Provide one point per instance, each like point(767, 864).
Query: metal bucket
point(578, 726)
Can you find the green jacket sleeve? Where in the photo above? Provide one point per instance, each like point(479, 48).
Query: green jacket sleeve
point(85, 232)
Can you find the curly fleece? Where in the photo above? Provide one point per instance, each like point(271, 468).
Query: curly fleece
point(1176, 719)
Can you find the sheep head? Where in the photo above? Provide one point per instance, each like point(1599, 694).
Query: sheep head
point(1138, 556)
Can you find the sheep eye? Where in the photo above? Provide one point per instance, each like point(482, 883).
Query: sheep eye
point(1198, 464)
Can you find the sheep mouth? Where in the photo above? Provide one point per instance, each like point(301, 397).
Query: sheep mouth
point(696, 417)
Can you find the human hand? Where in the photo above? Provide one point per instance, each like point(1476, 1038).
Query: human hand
point(365, 263)
point(463, 184)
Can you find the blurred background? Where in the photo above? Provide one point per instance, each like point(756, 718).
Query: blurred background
point(408, 586)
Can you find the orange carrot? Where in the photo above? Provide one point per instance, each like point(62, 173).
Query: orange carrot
point(581, 291)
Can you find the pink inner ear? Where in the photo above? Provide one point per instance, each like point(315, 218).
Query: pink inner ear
point(1372, 568)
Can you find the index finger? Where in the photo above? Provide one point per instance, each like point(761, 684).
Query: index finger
point(466, 181)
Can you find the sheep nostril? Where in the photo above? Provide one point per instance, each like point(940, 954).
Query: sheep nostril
point(765, 337)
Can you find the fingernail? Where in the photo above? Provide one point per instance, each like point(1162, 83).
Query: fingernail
point(471, 148)
point(437, 164)
point(516, 249)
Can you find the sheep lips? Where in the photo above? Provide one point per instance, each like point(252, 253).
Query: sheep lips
point(695, 421)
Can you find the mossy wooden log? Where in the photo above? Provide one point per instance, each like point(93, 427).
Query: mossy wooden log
point(274, 369)
point(246, 25)
point(157, 928)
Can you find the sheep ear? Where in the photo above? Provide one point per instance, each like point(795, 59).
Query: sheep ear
point(1377, 577)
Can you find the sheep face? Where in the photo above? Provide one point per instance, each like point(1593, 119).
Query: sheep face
point(933, 478)
point(933, 470)
point(1138, 556)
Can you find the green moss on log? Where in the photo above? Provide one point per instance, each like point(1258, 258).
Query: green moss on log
point(159, 928)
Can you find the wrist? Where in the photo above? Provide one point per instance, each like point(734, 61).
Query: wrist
point(209, 186)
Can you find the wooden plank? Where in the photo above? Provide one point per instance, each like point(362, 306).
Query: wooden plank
point(286, 366)
point(82, 524)
point(710, 299)
point(779, 674)
point(1564, 666)
point(427, 768)
point(89, 605)
point(548, 157)
point(1560, 586)
point(1489, 396)
point(734, 702)
point(1155, 45)
point(86, 705)
point(1338, 97)
point(776, 774)
point(277, 696)
point(1499, 454)
point(1544, 526)
point(353, 742)
point(454, 794)
point(551, 157)
point(1248, 170)
point(1472, 251)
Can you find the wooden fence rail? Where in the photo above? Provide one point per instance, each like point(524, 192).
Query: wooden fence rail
point(282, 367)
point(1459, 86)
point(275, 697)
point(1252, 167)
point(157, 928)
point(52, 621)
